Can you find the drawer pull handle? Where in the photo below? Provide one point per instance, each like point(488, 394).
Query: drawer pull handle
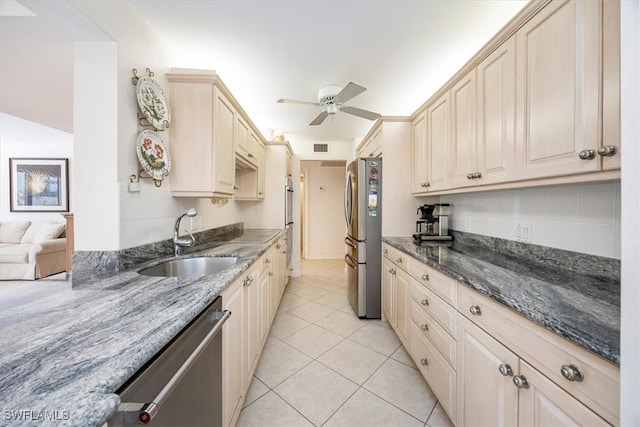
point(399, 260)
point(571, 373)
point(425, 277)
point(385, 252)
point(475, 310)
point(424, 362)
point(505, 370)
point(520, 381)
point(424, 302)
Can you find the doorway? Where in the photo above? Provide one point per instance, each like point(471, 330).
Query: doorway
point(322, 216)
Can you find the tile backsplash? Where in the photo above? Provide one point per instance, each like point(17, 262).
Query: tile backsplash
point(582, 217)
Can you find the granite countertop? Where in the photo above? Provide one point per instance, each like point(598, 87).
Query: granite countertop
point(66, 348)
point(582, 307)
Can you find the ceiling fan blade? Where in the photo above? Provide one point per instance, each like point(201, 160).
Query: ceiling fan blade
point(348, 92)
point(295, 101)
point(361, 113)
point(318, 120)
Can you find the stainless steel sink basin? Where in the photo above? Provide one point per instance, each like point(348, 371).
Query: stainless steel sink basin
point(190, 267)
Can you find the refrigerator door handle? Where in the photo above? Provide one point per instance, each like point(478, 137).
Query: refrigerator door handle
point(349, 261)
point(348, 202)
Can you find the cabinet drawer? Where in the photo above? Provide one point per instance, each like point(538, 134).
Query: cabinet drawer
point(442, 312)
point(434, 368)
point(443, 285)
point(548, 353)
point(399, 258)
point(435, 333)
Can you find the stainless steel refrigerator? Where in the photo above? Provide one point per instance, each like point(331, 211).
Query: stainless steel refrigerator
point(362, 211)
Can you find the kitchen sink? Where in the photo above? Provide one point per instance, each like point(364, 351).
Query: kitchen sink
point(190, 267)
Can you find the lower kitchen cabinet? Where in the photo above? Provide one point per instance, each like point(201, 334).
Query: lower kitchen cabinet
point(486, 364)
point(496, 387)
point(253, 300)
point(395, 288)
point(232, 339)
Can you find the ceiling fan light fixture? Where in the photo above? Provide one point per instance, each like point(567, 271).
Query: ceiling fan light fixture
point(332, 108)
point(327, 93)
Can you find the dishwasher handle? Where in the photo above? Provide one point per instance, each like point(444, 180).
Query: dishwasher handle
point(143, 413)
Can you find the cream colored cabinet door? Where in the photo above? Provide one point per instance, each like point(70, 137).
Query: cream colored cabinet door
point(611, 85)
point(542, 403)
point(375, 150)
point(250, 315)
point(403, 289)
point(419, 154)
point(252, 148)
point(261, 155)
point(558, 90)
point(264, 297)
point(388, 290)
point(232, 338)
point(242, 137)
point(496, 108)
point(223, 144)
point(463, 132)
point(439, 164)
point(484, 395)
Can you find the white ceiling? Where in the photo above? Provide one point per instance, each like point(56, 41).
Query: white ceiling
point(401, 51)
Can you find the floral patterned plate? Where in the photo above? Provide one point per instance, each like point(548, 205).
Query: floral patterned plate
point(153, 155)
point(153, 103)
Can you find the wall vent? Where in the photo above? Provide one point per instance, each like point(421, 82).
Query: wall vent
point(320, 148)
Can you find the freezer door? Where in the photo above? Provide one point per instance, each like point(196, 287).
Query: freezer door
point(356, 279)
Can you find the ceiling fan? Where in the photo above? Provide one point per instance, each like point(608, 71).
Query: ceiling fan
point(332, 98)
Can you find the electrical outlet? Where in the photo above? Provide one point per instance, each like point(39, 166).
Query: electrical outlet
point(523, 233)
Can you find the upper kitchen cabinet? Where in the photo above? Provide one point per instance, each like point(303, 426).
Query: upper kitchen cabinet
point(558, 90)
point(247, 146)
point(202, 134)
point(537, 105)
point(372, 145)
point(496, 105)
point(432, 161)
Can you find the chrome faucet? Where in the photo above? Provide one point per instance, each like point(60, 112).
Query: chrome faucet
point(178, 242)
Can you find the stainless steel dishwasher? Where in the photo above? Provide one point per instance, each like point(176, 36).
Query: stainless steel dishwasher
point(182, 384)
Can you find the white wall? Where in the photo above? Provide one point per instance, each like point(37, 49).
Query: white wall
point(22, 138)
point(630, 129)
point(582, 218)
point(324, 219)
point(127, 219)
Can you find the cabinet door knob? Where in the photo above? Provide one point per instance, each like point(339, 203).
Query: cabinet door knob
point(235, 187)
point(425, 277)
point(571, 373)
point(271, 273)
point(424, 327)
point(424, 302)
point(278, 246)
point(475, 310)
point(385, 251)
point(608, 150)
point(250, 155)
point(268, 260)
point(587, 154)
point(520, 381)
point(399, 260)
point(469, 176)
point(505, 370)
point(424, 362)
point(476, 175)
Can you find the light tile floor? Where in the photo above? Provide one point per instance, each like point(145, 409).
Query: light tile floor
point(323, 366)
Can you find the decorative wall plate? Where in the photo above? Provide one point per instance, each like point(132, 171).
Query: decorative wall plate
point(153, 103)
point(153, 155)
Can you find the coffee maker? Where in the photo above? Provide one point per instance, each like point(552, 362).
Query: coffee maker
point(433, 223)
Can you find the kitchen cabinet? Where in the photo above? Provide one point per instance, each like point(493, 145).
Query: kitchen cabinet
point(232, 339)
point(250, 316)
point(395, 289)
point(496, 387)
point(586, 387)
point(558, 90)
point(463, 131)
point(247, 142)
point(250, 179)
point(372, 145)
point(202, 133)
point(433, 169)
point(496, 103)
